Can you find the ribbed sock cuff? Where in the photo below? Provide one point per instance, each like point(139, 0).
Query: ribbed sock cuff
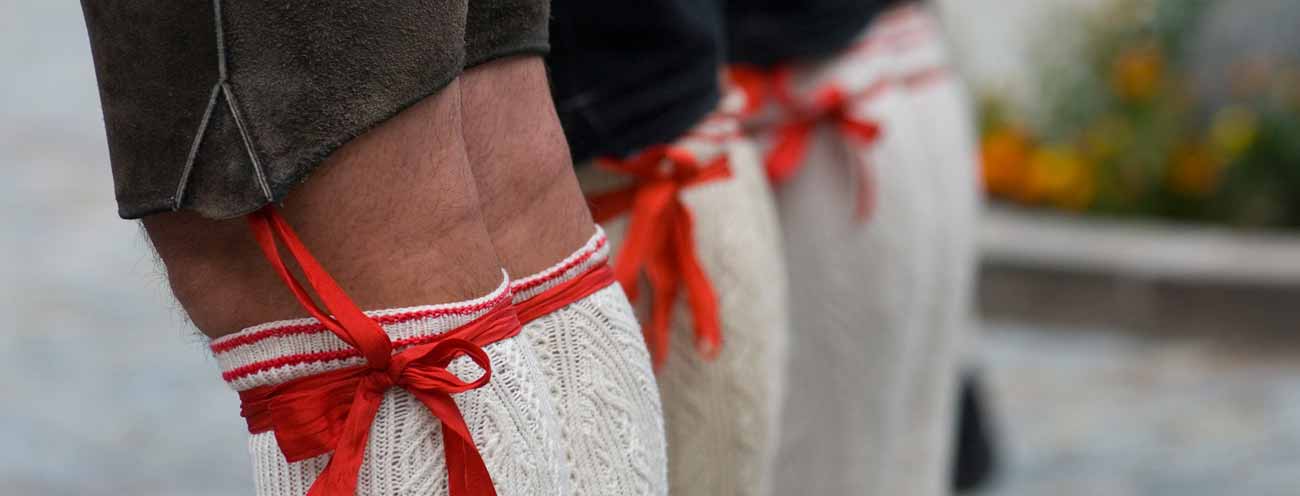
point(592, 254)
point(278, 352)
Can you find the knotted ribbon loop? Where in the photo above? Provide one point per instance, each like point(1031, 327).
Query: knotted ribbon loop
point(332, 411)
point(660, 241)
point(424, 367)
point(830, 104)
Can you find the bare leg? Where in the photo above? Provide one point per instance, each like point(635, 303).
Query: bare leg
point(531, 200)
point(393, 215)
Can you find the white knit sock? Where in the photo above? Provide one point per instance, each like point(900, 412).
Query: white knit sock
point(512, 419)
point(599, 374)
point(859, 291)
point(941, 113)
point(721, 414)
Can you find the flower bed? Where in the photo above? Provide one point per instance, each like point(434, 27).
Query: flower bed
point(1128, 125)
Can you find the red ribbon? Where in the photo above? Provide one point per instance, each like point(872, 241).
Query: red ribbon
point(832, 105)
point(753, 83)
point(332, 411)
point(661, 242)
point(565, 294)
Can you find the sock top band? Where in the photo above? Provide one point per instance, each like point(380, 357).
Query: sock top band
point(281, 351)
point(592, 254)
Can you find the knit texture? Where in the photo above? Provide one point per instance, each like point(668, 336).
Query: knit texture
point(941, 113)
point(721, 414)
point(859, 291)
point(599, 375)
point(512, 418)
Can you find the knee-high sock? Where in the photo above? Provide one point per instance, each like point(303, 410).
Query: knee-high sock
point(941, 114)
point(857, 290)
point(721, 414)
point(512, 419)
point(599, 376)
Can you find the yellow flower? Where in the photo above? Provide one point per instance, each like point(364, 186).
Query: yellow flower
point(1137, 71)
point(1234, 130)
point(1060, 176)
point(1195, 170)
point(1004, 153)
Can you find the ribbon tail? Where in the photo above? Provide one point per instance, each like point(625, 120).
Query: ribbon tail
point(661, 273)
point(866, 204)
point(865, 133)
point(348, 321)
point(467, 474)
point(865, 197)
point(658, 333)
point(699, 291)
point(863, 130)
point(606, 206)
point(647, 216)
point(340, 475)
point(787, 155)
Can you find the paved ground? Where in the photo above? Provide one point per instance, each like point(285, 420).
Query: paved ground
point(1089, 412)
point(106, 390)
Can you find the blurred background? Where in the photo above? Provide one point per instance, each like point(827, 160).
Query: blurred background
point(1138, 298)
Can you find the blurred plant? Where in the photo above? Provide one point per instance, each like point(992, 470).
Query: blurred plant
point(1122, 131)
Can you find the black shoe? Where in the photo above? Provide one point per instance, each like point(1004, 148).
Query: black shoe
point(976, 455)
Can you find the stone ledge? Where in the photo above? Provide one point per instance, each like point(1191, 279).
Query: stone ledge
point(1139, 249)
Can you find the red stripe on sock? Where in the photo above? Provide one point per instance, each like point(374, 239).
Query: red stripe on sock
point(559, 271)
point(233, 341)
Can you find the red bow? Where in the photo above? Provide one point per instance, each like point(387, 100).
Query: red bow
point(831, 104)
point(332, 411)
point(661, 241)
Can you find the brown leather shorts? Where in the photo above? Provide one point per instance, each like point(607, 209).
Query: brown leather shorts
point(223, 106)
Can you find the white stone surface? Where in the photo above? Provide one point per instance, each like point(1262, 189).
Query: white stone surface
point(1140, 249)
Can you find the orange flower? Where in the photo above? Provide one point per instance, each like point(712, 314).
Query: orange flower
point(1005, 153)
point(1137, 72)
point(1195, 170)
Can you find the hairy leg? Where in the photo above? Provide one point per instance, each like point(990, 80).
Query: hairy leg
point(520, 160)
point(393, 215)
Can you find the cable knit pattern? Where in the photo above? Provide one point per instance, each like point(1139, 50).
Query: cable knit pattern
point(859, 292)
point(512, 418)
point(721, 414)
point(941, 111)
point(600, 378)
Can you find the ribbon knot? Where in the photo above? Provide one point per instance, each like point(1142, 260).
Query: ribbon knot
point(660, 241)
point(332, 411)
point(424, 369)
point(830, 104)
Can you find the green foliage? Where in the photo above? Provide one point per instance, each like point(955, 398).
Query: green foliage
point(1117, 98)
